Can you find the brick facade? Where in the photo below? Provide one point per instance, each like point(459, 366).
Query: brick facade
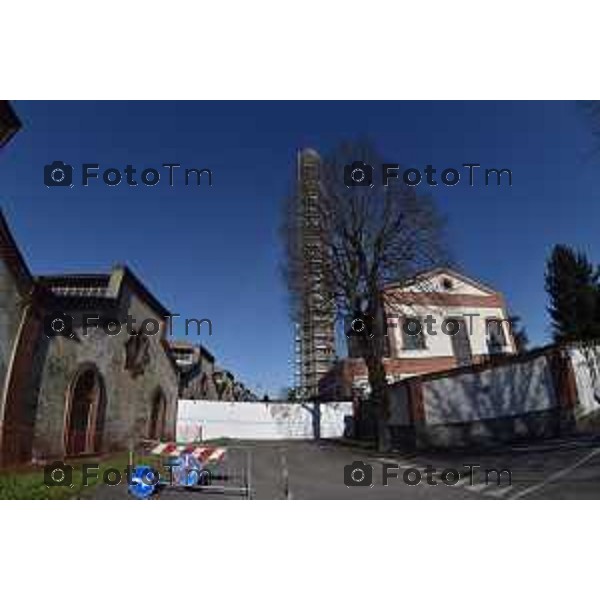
point(441, 294)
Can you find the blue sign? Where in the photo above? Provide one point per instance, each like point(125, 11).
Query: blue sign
point(143, 482)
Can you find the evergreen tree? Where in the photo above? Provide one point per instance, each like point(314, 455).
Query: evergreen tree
point(572, 284)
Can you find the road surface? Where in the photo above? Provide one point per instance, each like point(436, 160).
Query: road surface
point(562, 468)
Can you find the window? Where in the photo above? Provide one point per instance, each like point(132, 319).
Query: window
point(413, 337)
point(496, 340)
point(447, 283)
point(388, 348)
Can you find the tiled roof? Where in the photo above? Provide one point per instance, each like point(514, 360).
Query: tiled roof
point(9, 122)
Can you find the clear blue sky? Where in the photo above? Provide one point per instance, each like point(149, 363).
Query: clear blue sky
point(214, 252)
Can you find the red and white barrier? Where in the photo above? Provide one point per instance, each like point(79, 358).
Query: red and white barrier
point(204, 454)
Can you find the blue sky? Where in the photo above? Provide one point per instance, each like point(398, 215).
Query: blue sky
point(214, 252)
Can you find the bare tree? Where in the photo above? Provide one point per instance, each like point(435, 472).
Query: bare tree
point(369, 236)
point(519, 334)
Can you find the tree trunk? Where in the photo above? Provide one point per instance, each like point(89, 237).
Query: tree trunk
point(380, 397)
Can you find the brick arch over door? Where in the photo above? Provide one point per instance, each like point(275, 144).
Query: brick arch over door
point(85, 412)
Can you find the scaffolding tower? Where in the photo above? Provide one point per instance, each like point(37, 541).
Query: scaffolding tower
point(314, 341)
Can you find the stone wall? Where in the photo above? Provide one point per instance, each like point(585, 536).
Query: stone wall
point(198, 381)
point(129, 397)
point(10, 317)
point(525, 396)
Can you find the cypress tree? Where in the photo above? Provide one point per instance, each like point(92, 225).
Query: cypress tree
point(572, 284)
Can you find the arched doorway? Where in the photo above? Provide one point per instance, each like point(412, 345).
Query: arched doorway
point(86, 411)
point(158, 409)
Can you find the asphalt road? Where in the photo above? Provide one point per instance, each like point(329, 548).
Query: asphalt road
point(562, 468)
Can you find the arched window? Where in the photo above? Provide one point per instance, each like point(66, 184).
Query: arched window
point(86, 412)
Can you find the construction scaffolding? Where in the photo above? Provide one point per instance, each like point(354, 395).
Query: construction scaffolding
point(315, 329)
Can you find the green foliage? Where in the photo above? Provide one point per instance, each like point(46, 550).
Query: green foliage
point(28, 483)
point(572, 282)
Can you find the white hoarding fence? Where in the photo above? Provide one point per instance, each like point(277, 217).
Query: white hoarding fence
point(208, 419)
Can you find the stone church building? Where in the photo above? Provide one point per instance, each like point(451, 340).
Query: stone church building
point(80, 392)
